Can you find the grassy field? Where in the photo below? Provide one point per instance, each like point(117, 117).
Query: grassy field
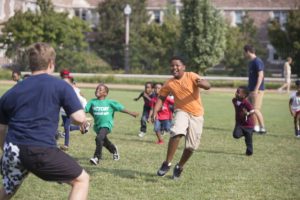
point(218, 170)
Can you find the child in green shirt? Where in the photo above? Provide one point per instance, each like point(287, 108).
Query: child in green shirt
point(103, 111)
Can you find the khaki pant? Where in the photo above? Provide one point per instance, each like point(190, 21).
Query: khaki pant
point(256, 99)
point(188, 125)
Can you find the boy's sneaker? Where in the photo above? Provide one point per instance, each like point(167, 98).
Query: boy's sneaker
point(160, 142)
point(177, 172)
point(64, 148)
point(165, 167)
point(116, 155)
point(262, 130)
point(256, 129)
point(142, 134)
point(94, 161)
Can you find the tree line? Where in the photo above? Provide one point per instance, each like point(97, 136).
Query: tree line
point(199, 34)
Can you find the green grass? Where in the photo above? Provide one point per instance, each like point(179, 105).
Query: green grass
point(218, 170)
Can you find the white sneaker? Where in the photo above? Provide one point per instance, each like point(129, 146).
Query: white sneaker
point(256, 128)
point(94, 161)
point(116, 155)
point(142, 134)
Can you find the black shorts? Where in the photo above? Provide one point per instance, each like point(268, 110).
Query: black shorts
point(49, 163)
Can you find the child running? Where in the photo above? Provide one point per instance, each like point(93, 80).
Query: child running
point(244, 122)
point(294, 106)
point(103, 111)
point(147, 94)
point(164, 116)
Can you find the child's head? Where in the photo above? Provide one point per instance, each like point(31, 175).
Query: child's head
point(177, 65)
point(157, 87)
point(16, 75)
point(242, 92)
point(101, 91)
point(148, 87)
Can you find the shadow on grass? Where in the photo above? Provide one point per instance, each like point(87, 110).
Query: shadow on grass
point(220, 152)
point(217, 129)
point(123, 173)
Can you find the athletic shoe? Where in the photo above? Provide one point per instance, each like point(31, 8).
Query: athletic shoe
point(159, 142)
point(262, 130)
point(94, 161)
point(177, 172)
point(165, 167)
point(142, 134)
point(116, 155)
point(256, 129)
point(64, 148)
point(249, 153)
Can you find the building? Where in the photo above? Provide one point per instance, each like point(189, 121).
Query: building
point(262, 11)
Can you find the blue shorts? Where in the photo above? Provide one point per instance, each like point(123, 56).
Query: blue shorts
point(162, 125)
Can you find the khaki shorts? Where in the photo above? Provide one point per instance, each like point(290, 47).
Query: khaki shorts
point(256, 100)
point(189, 126)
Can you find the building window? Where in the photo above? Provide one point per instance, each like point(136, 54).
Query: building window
point(238, 17)
point(280, 17)
point(157, 16)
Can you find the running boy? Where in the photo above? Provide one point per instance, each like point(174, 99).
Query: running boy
point(147, 95)
point(188, 115)
point(294, 106)
point(244, 122)
point(164, 115)
point(103, 111)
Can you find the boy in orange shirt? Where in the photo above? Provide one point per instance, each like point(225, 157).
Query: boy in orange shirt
point(188, 114)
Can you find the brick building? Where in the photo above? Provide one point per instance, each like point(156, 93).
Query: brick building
point(262, 11)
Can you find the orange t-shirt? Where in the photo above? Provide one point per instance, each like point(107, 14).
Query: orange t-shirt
point(186, 93)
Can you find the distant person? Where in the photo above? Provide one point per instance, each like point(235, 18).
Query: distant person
point(188, 115)
point(287, 75)
point(67, 122)
point(294, 107)
point(147, 94)
point(29, 112)
point(164, 115)
point(256, 86)
point(16, 76)
point(103, 111)
point(244, 122)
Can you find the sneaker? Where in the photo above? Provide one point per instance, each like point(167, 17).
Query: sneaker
point(64, 148)
point(165, 167)
point(177, 172)
point(159, 142)
point(94, 161)
point(142, 134)
point(256, 129)
point(86, 127)
point(262, 130)
point(116, 155)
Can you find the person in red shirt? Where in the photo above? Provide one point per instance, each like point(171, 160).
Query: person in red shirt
point(244, 121)
point(164, 116)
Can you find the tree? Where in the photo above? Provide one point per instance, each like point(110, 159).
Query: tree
point(45, 25)
point(158, 43)
point(111, 30)
point(203, 34)
point(286, 39)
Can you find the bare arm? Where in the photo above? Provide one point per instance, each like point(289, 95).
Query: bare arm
point(3, 130)
point(290, 106)
point(133, 114)
point(202, 83)
point(259, 80)
point(137, 98)
point(79, 118)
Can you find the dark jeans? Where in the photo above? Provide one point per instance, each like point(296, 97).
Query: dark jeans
point(240, 131)
point(102, 140)
point(144, 118)
point(68, 127)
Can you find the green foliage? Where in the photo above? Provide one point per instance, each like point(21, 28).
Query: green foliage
point(287, 40)
point(158, 43)
point(111, 39)
point(203, 34)
point(44, 25)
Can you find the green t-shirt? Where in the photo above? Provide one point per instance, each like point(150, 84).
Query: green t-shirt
point(103, 112)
